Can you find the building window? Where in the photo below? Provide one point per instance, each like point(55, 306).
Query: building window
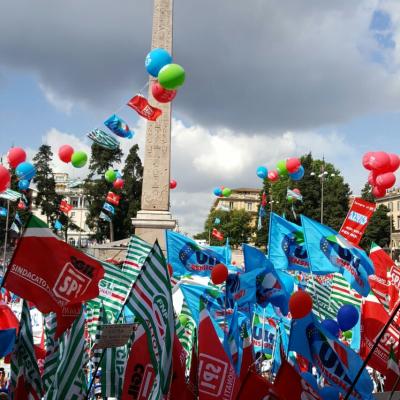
point(249, 206)
point(231, 205)
point(74, 202)
point(72, 214)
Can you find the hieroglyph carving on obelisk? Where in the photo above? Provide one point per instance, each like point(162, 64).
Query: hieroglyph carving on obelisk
point(156, 175)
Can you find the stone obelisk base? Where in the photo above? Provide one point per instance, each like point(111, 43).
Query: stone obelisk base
point(151, 226)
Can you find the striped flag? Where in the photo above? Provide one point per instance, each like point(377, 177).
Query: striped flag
point(52, 350)
point(25, 375)
point(342, 292)
point(69, 382)
point(151, 302)
point(10, 195)
point(136, 255)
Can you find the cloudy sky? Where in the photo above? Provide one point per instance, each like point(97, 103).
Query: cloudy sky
point(266, 79)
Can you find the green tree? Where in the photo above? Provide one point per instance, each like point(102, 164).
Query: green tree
point(46, 198)
point(96, 188)
point(336, 196)
point(378, 229)
point(131, 193)
point(235, 225)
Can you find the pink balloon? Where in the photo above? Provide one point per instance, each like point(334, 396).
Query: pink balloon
point(296, 191)
point(372, 178)
point(118, 183)
point(365, 160)
point(273, 176)
point(65, 153)
point(378, 192)
point(379, 161)
point(292, 165)
point(386, 180)
point(5, 179)
point(394, 162)
point(16, 156)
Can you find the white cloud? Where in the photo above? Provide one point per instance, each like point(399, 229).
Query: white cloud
point(58, 102)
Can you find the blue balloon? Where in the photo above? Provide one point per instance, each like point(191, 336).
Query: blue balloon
point(329, 393)
point(347, 317)
point(23, 184)
point(25, 171)
point(217, 221)
point(297, 175)
point(157, 59)
point(311, 380)
point(262, 172)
point(119, 175)
point(331, 326)
point(218, 192)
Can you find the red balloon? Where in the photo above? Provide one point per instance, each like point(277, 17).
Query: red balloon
point(273, 176)
point(378, 192)
point(65, 153)
point(292, 165)
point(172, 184)
point(296, 191)
point(219, 274)
point(16, 156)
point(5, 179)
point(379, 161)
point(394, 162)
point(386, 180)
point(365, 160)
point(162, 95)
point(8, 320)
point(300, 304)
point(118, 183)
point(372, 178)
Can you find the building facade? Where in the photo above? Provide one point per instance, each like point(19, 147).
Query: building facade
point(72, 191)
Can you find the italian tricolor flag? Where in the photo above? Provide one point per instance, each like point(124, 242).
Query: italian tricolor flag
point(392, 363)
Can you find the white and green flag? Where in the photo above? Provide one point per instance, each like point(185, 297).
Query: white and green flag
point(52, 350)
point(138, 250)
point(151, 302)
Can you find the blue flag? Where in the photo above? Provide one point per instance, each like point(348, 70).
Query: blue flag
point(118, 126)
point(337, 363)
point(58, 225)
point(3, 212)
point(104, 217)
point(264, 332)
point(287, 249)
point(188, 257)
point(7, 341)
point(330, 252)
point(282, 341)
point(109, 207)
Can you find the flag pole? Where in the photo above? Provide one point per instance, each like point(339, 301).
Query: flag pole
point(394, 387)
point(377, 341)
point(6, 238)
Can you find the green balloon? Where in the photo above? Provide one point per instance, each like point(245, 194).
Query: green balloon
point(290, 199)
point(171, 76)
point(226, 192)
point(110, 175)
point(79, 159)
point(281, 168)
point(183, 319)
point(348, 334)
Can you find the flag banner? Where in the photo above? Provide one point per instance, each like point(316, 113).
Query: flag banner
point(52, 350)
point(287, 249)
point(143, 108)
point(394, 288)
point(26, 382)
point(10, 195)
point(16, 226)
point(103, 139)
point(3, 212)
point(255, 387)
point(104, 217)
point(357, 220)
point(187, 257)
point(63, 218)
point(113, 198)
point(65, 207)
point(264, 333)
point(119, 127)
point(342, 293)
point(294, 195)
point(216, 375)
point(215, 233)
point(136, 255)
point(109, 208)
point(393, 363)
point(290, 385)
point(58, 225)
point(68, 382)
point(66, 317)
point(223, 251)
point(151, 302)
point(337, 363)
point(329, 252)
point(7, 341)
point(50, 273)
point(281, 348)
point(373, 319)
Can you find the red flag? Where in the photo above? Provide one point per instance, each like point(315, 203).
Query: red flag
point(65, 318)
point(263, 199)
point(357, 220)
point(290, 385)
point(255, 387)
point(8, 320)
point(247, 358)
point(217, 378)
point(113, 198)
point(143, 108)
point(373, 319)
point(49, 272)
point(139, 371)
point(65, 207)
point(217, 234)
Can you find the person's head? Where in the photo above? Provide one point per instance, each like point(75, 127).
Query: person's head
point(3, 396)
point(2, 373)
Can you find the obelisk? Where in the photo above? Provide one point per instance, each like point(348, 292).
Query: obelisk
point(154, 216)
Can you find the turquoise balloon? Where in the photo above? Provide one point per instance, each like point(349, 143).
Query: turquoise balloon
point(262, 172)
point(171, 77)
point(79, 159)
point(157, 59)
